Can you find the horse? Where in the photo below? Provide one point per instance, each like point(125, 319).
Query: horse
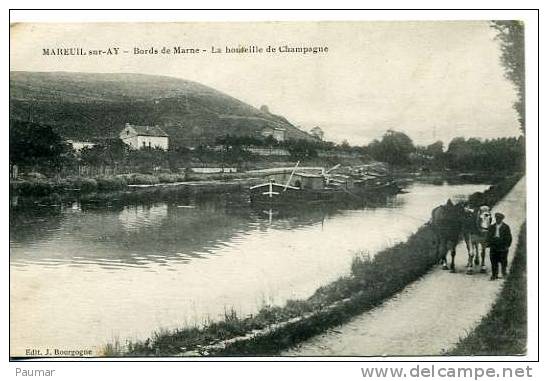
point(475, 226)
point(446, 223)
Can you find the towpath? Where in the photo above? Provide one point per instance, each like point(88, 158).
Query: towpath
point(430, 315)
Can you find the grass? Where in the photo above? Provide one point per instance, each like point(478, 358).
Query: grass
point(371, 282)
point(504, 330)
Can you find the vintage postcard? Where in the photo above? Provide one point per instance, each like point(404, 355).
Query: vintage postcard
point(333, 188)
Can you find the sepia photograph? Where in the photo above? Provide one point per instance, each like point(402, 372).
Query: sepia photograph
point(278, 189)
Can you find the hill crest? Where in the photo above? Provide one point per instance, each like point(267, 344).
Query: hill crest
point(84, 106)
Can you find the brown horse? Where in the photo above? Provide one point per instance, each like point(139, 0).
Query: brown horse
point(446, 223)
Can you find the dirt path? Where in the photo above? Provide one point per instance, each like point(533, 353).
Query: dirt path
point(430, 315)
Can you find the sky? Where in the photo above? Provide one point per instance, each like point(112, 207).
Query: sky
point(430, 80)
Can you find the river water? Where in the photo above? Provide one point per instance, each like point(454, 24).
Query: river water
point(84, 274)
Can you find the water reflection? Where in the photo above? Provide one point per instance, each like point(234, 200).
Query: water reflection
point(122, 232)
point(139, 217)
point(127, 266)
point(34, 224)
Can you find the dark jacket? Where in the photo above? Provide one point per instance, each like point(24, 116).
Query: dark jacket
point(501, 243)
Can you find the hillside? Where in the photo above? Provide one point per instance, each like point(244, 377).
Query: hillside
point(84, 106)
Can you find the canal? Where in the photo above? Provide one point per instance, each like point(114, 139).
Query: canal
point(83, 274)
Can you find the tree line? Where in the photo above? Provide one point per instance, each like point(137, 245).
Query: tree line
point(40, 147)
point(472, 154)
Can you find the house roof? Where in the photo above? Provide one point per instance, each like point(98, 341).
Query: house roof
point(148, 130)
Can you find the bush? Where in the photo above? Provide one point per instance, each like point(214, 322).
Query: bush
point(495, 192)
point(32, 187)
point(84, 184)
point(171, 177)
point(139, 179)
point(35, 176)
point(126, 177)
point(111, 183)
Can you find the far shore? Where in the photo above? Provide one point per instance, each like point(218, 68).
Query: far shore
point(37, 185)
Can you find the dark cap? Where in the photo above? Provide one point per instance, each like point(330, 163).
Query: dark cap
point(499, 215)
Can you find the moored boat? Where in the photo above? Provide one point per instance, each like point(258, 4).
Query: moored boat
point(320, 186)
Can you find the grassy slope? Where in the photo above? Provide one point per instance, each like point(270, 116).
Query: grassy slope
point(504, 330)
point(84, 106)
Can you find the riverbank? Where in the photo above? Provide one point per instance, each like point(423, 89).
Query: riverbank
point(503, 332)
point(35, 184)
point(275, 328)
point(38, 185)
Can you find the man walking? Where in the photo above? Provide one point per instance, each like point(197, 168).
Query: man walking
point(499, 239)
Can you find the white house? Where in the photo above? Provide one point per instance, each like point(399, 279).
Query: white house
point(317, 132)
point(277, 133)
point(138, 137)
point(79, 145)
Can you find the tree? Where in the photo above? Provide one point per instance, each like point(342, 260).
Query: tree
point(178, 157)
point(301, 149)
point(93, 156)
point(269, 141)
point(435, 149)
point(345, 146)
point(108, 152)
point(501, 154)
point(37, 145)
point(147, 159)
point(394, 148)
point(462, 153)
point(511, 37)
